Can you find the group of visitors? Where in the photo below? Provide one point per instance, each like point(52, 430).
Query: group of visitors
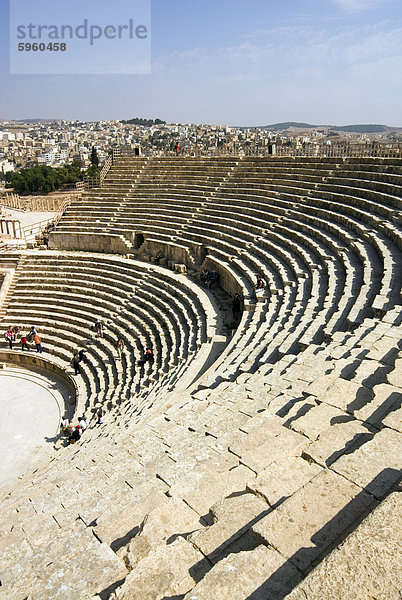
point(209, 278)
point(74, 432)
point(14, 335)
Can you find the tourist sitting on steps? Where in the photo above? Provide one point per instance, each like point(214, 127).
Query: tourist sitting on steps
point(204, 276)
point(158, 258)
point(148, 357)
point(83, 423)
point(213, 280)
point(259, 286)
point(75, 436)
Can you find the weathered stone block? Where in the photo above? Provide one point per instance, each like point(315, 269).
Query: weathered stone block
point(387, 398)
point(259, 449)
point(282, 478)
point(170, 571)
point(347, 395)
point(166, 521)
point(261, 574)
point(339, 439)
point(233, 516)
point(314, 518)
point(212, 488)
point(375, 466)
point(366, 565)
point(317, 420)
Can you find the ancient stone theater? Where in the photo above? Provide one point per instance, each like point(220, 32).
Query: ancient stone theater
point(222, 439)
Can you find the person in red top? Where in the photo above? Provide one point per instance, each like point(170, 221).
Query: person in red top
point(148, 357)
point(177, 148)
point(24, 344)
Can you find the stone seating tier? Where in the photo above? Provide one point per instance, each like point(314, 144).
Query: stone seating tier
point(234, 489)
point(127, 301)
point(265, 472)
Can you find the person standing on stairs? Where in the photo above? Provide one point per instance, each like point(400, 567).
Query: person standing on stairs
point(38, 343)
point(237, 307)
point(99, 328)
point(24, 343)
point(9, 336)
point(75, 361)
point(120, 347)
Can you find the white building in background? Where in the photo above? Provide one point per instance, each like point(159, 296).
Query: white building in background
point(6, 166)
point(7, 135)
point(53, 159)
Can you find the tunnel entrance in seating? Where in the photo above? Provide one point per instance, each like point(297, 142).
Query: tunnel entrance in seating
point(138, 240)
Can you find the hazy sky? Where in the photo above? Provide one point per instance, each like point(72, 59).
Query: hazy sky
point(236, 62)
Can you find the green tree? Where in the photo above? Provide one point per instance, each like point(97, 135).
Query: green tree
point(94, 157)
point(93, 171)
point(43, 179)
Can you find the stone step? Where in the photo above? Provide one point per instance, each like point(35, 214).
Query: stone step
point(313, 519)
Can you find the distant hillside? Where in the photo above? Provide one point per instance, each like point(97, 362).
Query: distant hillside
point(288, 125)
point(361, 128)
point(364, 128)
point(31, 121)
point(144, 122)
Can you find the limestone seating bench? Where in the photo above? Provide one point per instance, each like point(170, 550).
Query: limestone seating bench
point(390, 252)
point(365, 216)
point(354, 281)
point(164, 193)
point(390, 194)
point(145, 219)
point(92, 381)
point(247, 178)
point(98, 307)
point(103, 274)
point(186, 309)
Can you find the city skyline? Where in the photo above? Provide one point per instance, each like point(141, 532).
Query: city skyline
point(334, 62)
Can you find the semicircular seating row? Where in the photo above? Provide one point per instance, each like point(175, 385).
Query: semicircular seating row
point(63, 294)
point(231, 468)
point(232, 465)
point(324, 233)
